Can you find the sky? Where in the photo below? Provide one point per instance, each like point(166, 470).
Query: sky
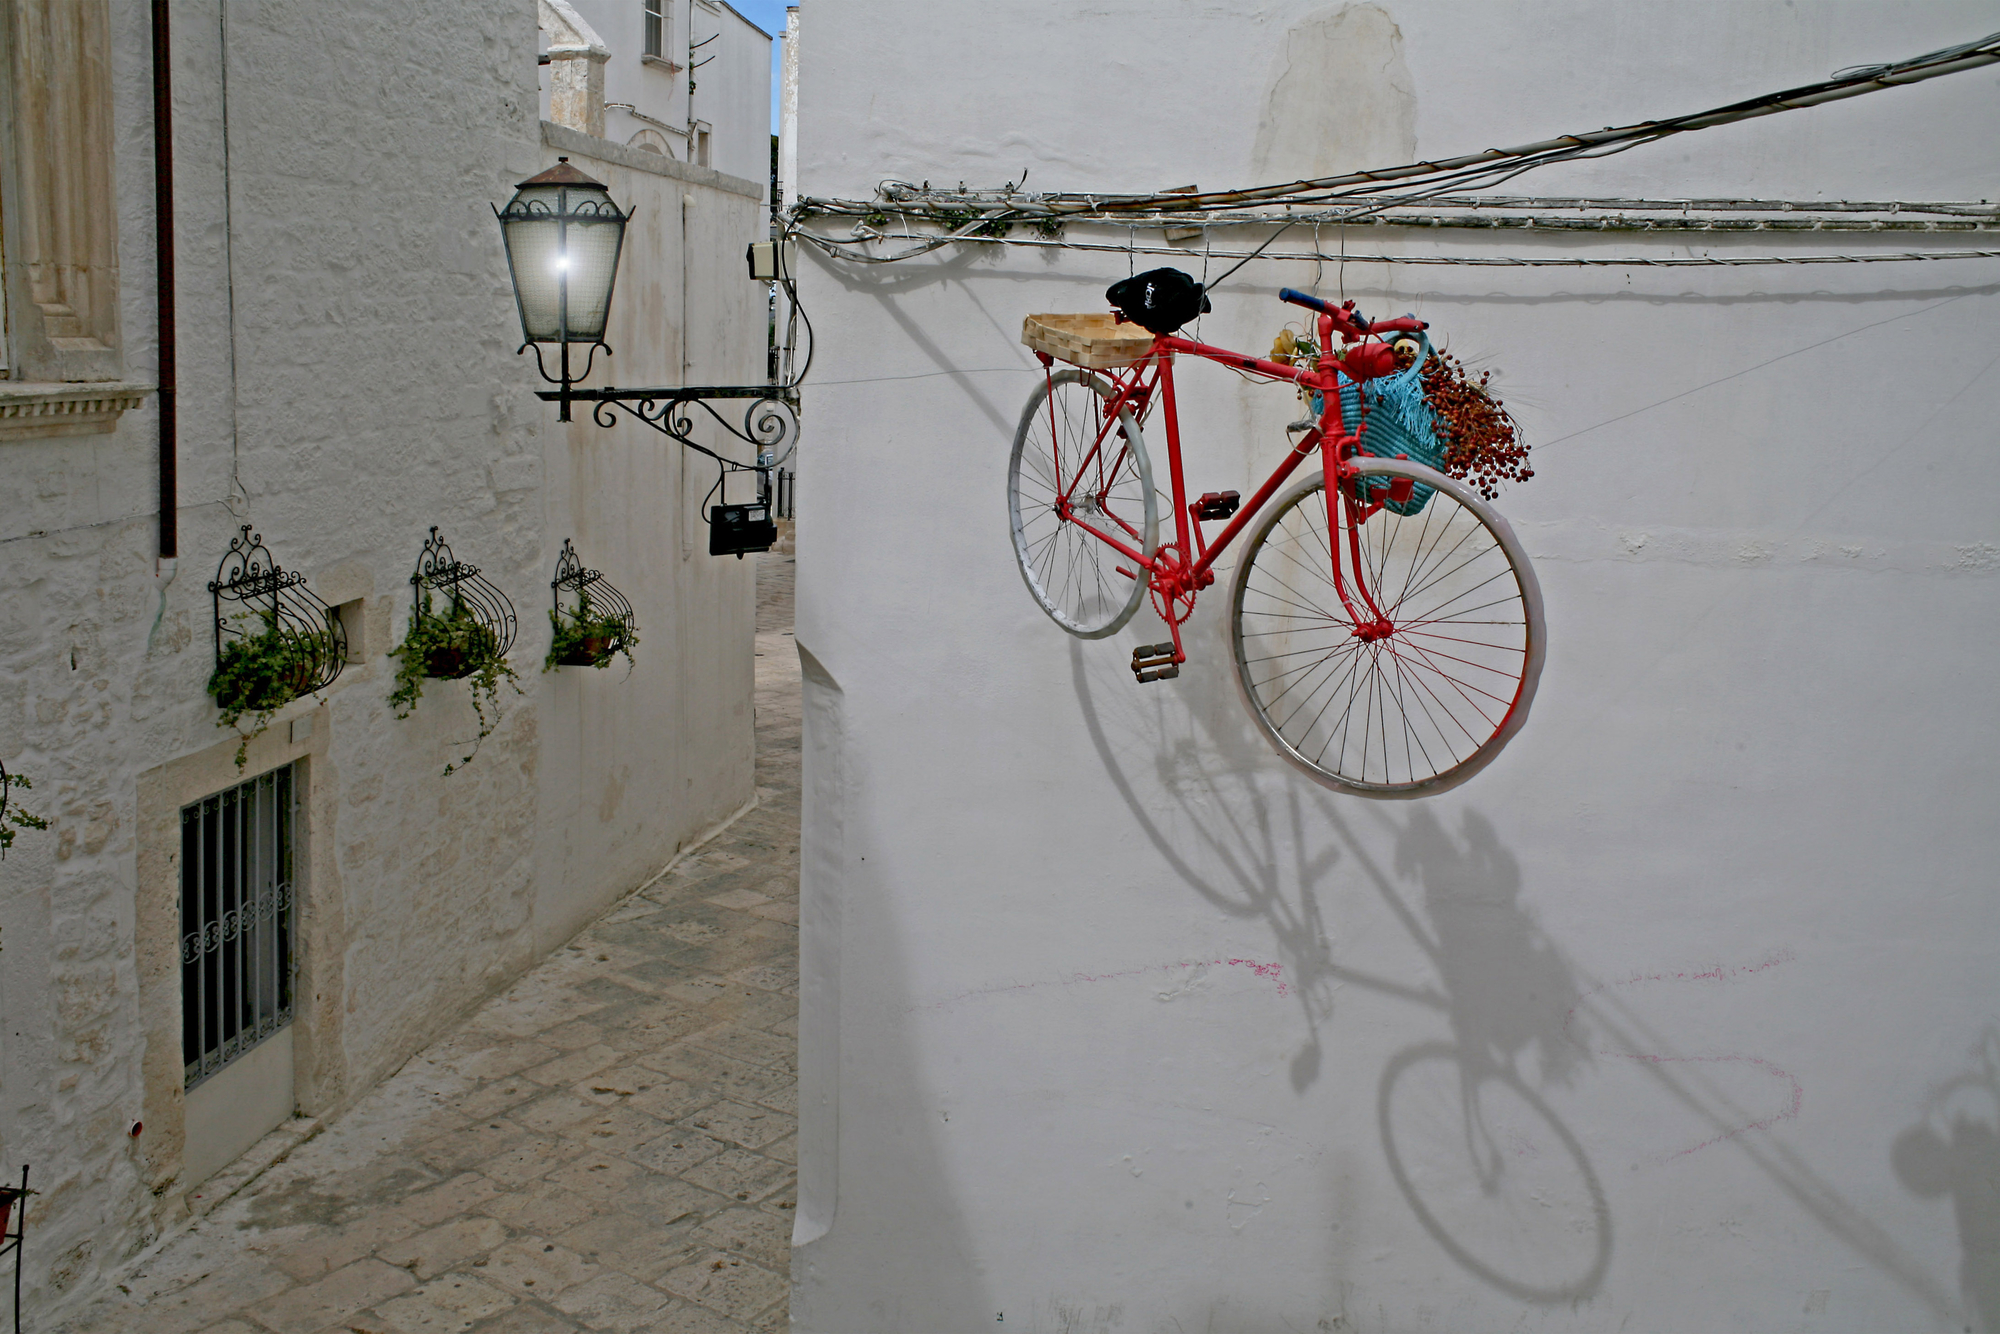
point(770, 16)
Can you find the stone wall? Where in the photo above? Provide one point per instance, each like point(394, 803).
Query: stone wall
point(348, 378)
point(1681, 1014)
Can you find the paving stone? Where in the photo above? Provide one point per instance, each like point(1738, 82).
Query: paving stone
point(535, 1268)
point(429, 1254)
point(737, 898)
point(528, 1318)
point(673, 1153)
point(576, 1065)
point(310, 1309)
point(614, 1131)
point(552, 1111)
point(739, 1175)
point(647, 1254)
point(540, 1207)
point(455, 1303)
point(750, 1127)
point(784, 1151)
point(456, 1196)
point(784, 1099)
point(529, 1159)
point(764, 1237)
point(616, 1302)
point(728, 1284)
point(748, 1044)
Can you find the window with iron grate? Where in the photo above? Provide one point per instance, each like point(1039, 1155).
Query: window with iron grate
point(237, 891)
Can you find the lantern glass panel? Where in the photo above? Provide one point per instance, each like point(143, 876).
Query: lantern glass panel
point(563, 243)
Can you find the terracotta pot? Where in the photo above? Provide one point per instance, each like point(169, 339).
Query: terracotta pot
point(588, 653)
point(448, 662)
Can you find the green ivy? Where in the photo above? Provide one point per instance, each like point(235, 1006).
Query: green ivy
point(16, 817)
point(572, 633)
point(433, 640)
point(256, 675)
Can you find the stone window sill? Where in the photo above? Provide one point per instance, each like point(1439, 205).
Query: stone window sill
point(660, 62)
point(31, 410)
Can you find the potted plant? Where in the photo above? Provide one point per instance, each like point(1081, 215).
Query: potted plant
point(258, 674)
point(453, 645)
point(12, 817)
point(588, 637)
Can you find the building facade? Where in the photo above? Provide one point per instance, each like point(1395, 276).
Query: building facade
point(206, 942)
point(1680, 1015)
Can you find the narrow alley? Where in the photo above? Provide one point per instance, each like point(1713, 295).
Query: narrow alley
point(607, 1145)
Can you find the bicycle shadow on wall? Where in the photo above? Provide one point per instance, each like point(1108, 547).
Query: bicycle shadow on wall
point(1465, 1122)
point(1487, 1167)
point(1954, 1150)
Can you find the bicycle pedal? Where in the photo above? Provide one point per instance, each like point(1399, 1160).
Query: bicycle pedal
point(1217, 505)
point(1154, 662)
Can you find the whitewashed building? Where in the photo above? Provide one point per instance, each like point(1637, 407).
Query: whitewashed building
point(683, 78)
point(341, 345)
point(1682, 1014)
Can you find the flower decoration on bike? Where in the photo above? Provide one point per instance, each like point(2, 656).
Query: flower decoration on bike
point(1386, 626)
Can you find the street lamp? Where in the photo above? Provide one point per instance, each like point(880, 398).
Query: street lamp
point(563, 235)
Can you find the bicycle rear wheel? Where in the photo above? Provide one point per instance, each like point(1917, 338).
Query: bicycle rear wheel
point(1069, 469)
point(1430, 703)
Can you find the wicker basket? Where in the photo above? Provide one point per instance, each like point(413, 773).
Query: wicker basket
point(1096, 341)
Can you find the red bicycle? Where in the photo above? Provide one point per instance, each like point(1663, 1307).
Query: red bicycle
point(1387, 628)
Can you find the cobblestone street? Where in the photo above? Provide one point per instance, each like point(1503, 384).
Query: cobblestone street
point(608, 1145)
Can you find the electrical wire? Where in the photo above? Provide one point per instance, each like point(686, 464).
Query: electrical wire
point(985, 216)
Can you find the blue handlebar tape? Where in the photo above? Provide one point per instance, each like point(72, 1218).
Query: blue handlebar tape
point(1298, 298)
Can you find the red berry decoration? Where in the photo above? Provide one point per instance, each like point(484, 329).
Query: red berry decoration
point(1481, 441)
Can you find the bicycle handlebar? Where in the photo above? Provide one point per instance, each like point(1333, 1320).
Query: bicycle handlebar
point(1349, 318)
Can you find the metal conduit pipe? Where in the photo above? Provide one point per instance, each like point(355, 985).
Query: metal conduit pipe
point(163, 264)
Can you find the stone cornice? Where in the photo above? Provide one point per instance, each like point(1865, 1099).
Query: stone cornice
point(29, 410)
point(566, 140)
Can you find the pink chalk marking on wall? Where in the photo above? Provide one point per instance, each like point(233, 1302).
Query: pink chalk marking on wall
point(1270, 972)
point(1715, 973)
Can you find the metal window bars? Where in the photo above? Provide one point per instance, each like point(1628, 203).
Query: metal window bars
point(600, 621)
point(237, 892)
point(255, 598)
point(474, 609)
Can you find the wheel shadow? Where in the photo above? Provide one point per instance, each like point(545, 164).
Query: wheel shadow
point(1955, 1150)
point(1468, 1135)
point(1259, 844)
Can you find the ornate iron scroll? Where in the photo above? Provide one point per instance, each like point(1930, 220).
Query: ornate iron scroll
point(266, 599)
point(467, 594)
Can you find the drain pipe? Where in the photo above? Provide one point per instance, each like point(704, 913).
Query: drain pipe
point(163, 277)
point(168, 562)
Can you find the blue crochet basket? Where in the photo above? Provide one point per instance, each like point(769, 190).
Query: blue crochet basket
point(1399, 421)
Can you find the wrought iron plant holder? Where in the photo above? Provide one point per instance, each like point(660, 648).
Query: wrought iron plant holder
point(254, 597)
point(13, 1226)
point(467, 596)
point(590, 592)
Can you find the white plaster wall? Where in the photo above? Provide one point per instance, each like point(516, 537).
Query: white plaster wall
point(1111, 1022)
point(734, 92)
point(370, 390)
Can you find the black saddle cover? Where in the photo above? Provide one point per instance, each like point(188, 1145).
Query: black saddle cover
point(1159, 300)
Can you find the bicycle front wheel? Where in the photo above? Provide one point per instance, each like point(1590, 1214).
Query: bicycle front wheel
point(1075, 469)
point(1413, 703)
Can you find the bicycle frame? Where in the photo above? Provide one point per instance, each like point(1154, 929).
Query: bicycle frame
point(1177, 570)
